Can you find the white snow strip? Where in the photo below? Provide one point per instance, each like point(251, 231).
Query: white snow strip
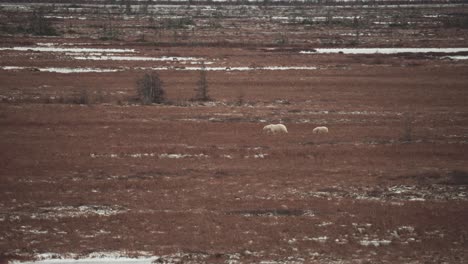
point(266, 68)
point(60, 69)
point(84, 70)
point(93, 258)
point(104, 260)
point(143, 155)
point(131, 58)
point(457, 57)
point(385, 50)
point(142, 257)
point(88, 53)
point(77, 70)
point(417, 199)
point(55, 49)
point(66, 17)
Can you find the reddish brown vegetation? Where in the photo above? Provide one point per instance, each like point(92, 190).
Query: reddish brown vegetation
point(228, 188)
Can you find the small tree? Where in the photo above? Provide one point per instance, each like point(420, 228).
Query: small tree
point(150, 89)
point(109, 31)
point(128, 6)
point(357, 26)
point(40, 25)
point(202, 86)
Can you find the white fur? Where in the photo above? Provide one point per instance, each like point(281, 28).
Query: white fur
point(320, 130)
point(275, 128)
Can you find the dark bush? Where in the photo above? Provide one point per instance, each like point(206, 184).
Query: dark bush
point(202, 87)
point(150, 89)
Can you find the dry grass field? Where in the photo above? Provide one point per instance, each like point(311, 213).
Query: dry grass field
point(87, 169)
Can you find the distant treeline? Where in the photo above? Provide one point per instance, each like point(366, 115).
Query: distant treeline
point(241, 2)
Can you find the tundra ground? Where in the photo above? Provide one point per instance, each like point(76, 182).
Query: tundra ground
point(85, 168)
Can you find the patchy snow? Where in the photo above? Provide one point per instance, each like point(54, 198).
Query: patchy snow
point(384, 50)
point(279, 17)
point(341, 241)
point(375, 242)
point(316, 18)
point(47, 44)
point(141, 155)
point(148, 155)
point(93, 155)
point(257, 156)
point(179, 156)
point(389, 194)
point(87, 54)
point(408, 229)
point(75, 211)
point(320, 239)
point(325, 224)
point(28, 229)
point(226, 156)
